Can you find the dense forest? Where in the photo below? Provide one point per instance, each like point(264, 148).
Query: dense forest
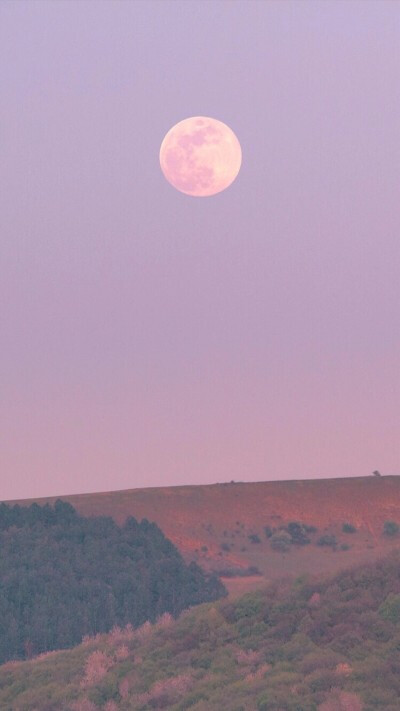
point(63, 576)
point(307, 644)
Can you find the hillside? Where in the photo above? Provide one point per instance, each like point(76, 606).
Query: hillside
point(311, 644)
point(215, 524)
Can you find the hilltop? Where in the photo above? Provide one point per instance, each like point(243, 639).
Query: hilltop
point(312, 644)
point(222, 526)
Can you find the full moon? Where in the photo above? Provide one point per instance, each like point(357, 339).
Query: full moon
point(200, 156)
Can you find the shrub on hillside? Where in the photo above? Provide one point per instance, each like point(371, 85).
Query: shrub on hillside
point(349, 528)
point(390, 528)
point(280, 541)
point(254, 538)
point(298, 534)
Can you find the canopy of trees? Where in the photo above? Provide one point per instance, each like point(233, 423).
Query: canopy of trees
point(328, 644)
point(63, 576)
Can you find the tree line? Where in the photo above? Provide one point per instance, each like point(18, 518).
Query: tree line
point(63, 576)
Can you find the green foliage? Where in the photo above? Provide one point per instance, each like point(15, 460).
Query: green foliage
point(248, 606)
point(390, 528)
point(105, 690)
point(349, 528)
point(63, 576)
point(390, 608)
point(264, 702)
point(254, 538)
point(269, 650)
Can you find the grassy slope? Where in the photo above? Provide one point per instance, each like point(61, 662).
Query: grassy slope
point(197, 518)
point(283, 648)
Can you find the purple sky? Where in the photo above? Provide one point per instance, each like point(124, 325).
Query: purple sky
point(151, 338)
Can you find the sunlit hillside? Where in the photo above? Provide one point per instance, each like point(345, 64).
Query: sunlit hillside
point(223, 526)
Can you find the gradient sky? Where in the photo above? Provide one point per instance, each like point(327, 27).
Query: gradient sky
point(151, 338)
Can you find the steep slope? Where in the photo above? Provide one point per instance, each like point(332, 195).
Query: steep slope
point(312, 644)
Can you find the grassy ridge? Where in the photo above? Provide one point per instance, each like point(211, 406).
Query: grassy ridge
point(308, 645)
point(214, 524)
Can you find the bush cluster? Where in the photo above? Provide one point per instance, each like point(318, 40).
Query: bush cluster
point(295, 533)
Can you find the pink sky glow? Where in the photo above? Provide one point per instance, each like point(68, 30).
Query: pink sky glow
point(149, 338)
